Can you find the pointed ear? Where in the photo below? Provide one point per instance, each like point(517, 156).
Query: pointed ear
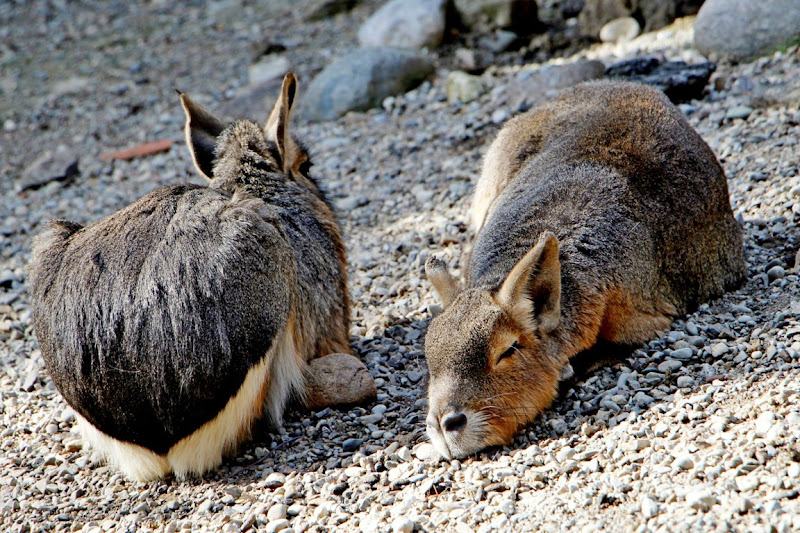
point(277, 128)
point(442, 281)
point(202, 129)
point(532, 290)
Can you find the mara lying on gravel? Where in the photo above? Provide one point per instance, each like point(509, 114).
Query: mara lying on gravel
point(599, 217)
point(171, 325)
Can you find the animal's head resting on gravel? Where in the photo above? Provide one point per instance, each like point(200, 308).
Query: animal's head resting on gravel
point(492, 354)
point(223, 152)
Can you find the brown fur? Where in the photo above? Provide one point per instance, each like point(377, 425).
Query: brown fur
point(173, 324)
point(600, 217)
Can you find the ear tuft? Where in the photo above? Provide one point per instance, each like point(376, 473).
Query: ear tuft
point(202, 129)
point(532, 290)
point(442, 281)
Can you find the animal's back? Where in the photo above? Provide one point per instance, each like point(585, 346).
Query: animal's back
point(163, 308)
point(312, 232)
point(636, 198)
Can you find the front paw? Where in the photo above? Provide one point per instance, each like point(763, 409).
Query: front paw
point(338, 379)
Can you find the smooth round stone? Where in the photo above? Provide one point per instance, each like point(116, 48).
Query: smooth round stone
point(684, 462)
point(620, 30)
point(776, 272)
point(669, 365)
point(277, 511)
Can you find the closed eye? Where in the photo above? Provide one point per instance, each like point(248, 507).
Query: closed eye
point(511, 351)
point(305, 168)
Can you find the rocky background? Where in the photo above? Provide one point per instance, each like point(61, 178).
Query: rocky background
point(695, 431)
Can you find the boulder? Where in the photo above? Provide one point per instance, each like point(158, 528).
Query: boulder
point(411, 24)
point(361, 80)
point(740, 30)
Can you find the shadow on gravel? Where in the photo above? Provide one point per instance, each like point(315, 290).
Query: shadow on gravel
point(325, 440)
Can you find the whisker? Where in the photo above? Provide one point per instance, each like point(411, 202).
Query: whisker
point(496, 396)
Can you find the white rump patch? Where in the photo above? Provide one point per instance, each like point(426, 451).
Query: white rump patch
point(204, 449)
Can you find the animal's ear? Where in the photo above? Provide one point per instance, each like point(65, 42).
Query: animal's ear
point(442, 281)
point(277, 128)
point(532, 290)
point(202, 129)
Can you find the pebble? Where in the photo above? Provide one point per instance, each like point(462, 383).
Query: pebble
point(642, 398)
point(669, 365)
point(424, 451)
point(403, 525)
point(649, 508)
point(277, 512)
point(374, 418)
point(700, 499)
point(719, 349)
point(463, 87)
point(740, 111)
point(351, 445)
point(275, 480)
point(683, 462)
point(776, 272)
point(273, 526)
point(747, 483)
point(764, 423)
point(682, 354)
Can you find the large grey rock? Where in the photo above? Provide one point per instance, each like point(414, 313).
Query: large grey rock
point(405, 24)
point(362, 79)
point(520, 15)
point(739, 30)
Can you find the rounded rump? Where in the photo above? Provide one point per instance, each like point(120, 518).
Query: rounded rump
point(149, 319)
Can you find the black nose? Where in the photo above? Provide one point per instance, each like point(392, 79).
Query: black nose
point(454, 421)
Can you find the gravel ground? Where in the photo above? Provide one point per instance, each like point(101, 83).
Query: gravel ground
point(697, 430)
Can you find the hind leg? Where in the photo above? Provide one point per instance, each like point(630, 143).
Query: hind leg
point(338, 379)
point(632, 320)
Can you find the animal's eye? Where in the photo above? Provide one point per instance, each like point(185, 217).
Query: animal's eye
point(508, 353)
point(305, 168)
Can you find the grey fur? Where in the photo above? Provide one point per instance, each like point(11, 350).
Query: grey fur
point(149, 319)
